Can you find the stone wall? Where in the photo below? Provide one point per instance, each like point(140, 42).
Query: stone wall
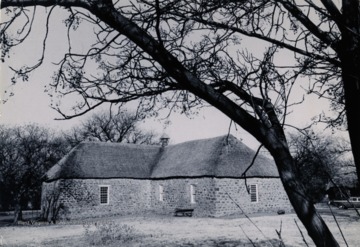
point(213, 196)
point(177, 195)
point(81, 197)
point(232, 196)
point(219, 196)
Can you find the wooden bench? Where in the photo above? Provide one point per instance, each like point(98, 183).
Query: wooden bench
point(184, 212)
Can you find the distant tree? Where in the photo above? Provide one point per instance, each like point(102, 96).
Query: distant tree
point(26, 153)
point(112, 127)
point(321, 162)
point(345, 175)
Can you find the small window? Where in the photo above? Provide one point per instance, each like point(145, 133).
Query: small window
point(192, 194)
point(104, 194)
point(161, 193)
point(254, 193)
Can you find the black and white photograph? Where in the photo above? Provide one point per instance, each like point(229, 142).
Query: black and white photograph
point(170, 123)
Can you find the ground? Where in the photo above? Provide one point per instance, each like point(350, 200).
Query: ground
point(152, 230)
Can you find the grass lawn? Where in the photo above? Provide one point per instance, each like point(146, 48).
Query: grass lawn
point(152, 230)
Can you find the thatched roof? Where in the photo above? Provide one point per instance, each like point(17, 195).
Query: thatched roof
point(223, 156)
point(105, 160)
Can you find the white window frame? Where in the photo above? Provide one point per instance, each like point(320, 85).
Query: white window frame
point(192, 193)
point(107, 195)
point(254, 192)
point(161, 192)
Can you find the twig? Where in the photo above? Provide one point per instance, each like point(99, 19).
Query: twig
point(247, 217)
point(282, 244)
point(337, 223)
point(228, 134)
point(302, 235)
point(253, 244)
point(251, 164)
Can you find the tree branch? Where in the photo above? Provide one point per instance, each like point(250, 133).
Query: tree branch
point(47, 3)
point(334, 12)
point(267, 39)
point(296, 12)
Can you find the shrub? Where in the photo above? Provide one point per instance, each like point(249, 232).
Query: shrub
point(109, 233)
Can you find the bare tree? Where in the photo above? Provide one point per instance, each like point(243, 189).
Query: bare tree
point(112, 127)
point(322, 162)
point(182, 54)
point(26, 153)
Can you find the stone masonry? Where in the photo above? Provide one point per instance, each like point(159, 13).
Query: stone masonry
point(80, 198)
point(232, 197)
point(177, 195)
point(214, 197)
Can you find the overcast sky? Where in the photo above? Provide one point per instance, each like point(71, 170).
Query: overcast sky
point(30, 104)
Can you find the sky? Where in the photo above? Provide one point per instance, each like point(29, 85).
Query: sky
point(30, 104)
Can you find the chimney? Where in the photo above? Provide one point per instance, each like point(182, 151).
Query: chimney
point(164, 140)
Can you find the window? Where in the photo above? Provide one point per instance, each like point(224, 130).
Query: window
point(104, 194)
point(161, 193)
point(192, 193)
point(254, 193)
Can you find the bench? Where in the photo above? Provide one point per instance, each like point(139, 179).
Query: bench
point(184, 212)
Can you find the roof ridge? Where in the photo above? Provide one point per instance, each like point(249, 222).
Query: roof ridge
point(100, 143)
point(203, 139)
point(152, 146)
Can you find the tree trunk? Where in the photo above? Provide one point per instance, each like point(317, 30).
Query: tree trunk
point(352, 103)
point(303, 206)
point(349, 54)
point(17, 211)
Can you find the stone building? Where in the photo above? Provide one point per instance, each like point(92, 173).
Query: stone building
point(211, 176)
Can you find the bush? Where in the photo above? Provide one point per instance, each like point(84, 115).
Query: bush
point(109, 233)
